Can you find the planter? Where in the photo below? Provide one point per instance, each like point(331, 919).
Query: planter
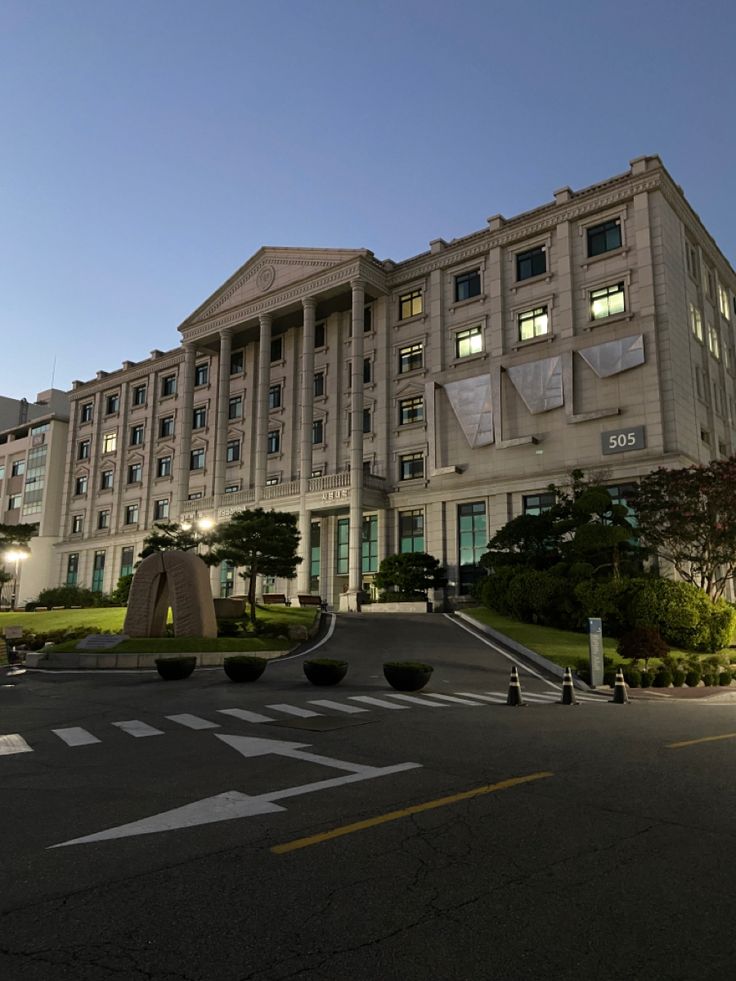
point(407, 675)
point(324, 671)
point(242, 667)
point(176, 668)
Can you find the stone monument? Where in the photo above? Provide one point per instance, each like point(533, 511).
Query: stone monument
point(179, 580)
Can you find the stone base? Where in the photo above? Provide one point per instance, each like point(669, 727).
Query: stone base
point(130, 662)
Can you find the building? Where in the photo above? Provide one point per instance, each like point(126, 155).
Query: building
point(33, 447)
point(417, 405)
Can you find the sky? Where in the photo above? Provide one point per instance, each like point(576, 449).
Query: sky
point(149, 147)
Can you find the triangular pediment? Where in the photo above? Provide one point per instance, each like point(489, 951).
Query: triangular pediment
point(268, 271)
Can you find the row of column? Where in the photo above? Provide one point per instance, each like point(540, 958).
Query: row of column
point(306, 419)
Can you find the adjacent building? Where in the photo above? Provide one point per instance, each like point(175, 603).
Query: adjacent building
point(417, 405)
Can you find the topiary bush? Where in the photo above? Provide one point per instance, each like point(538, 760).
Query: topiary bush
point(678, 677)
point(692, 678)
point(683, 614)
point(407, 675)
point(632, 677)
point(608, 600)
point(325, 671)
point(724, 678)
point(646, 679)
point(641, 643)
point(663, 678)
point(709, 679)
point(68, 596)
point(176, 668)
point(244, 667)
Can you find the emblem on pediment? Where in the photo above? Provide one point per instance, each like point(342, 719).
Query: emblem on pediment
point(265, 278)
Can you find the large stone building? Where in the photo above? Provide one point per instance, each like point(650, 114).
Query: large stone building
point(417, 405)
point(33, 447)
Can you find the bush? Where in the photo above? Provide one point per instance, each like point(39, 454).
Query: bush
point(229, 628)
point(641, 643)
point(678, 677)
point(407, 675)
point(68, 596)
point(542, 597)
point(493, 589)
point(692, 678)
point(709, 679)
point(608, 600)
point(120, 594)
point(609, 678)
point(325, 671)
point(663, 678)
point(244, 667)
point(176, 668)
point(682, 613)
point(632, 677)
point(646, 679)
point(724, 678)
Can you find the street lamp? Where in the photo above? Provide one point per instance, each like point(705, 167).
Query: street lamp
point(16, 556)
point(200, 526)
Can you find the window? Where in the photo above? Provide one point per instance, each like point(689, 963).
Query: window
point(274, 441)
point(274, 397)
point(714, 342)
point(607, 301)
point(411, 466)
point(316, 472)
point(83, 449)
point(315, 553)
point(691, 257)
point(77, 524)
point(201, 374)
point(236, 363)
point(131, 514)
point(235, 407)
point(18, 468)
point(135, 473)
point(80, 485)
point(127, 558)
point(411, 531)
point(696, 322)
point(199, 417)
point(85, 412)
point(136, 435)
point(537, 504)
point(103, 519)
point(139, 395)
point(98, 571)
point(533, 262)
point(367, 421)
point(604, 237)
point(710, 283)
point(369, 544)
point(367, 371)
point(106, 480)
point(723, 302)
point(194, 497)
point(14, 502)
point(411, 410)
point(271, 481)
point(319, 335)
point(342, 546)
point(277, 349)
point(472, 542)
point(467, 285)
point(319, 384)
point(196, 460)
point(163, 466)
point(72, 568)
point(112, 403)
point(533, 323)
point(232, 488)
point(410, 304)
point(109, 442)
point(468, 342)
point(411, 358)
point(318, 431)
point(166, 427)
point(227, 579)
point(232, 451)
point(168, 385)
point(367, 319)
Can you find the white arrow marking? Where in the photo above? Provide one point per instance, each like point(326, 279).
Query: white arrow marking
point(233, 804)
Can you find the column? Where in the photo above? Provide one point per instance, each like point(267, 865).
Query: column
point(264, 377)
point(356, 448)
point(305, 447)
point(223, 400)
point(184, 426)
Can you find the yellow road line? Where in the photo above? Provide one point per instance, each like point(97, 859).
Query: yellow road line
point(704, 739)
point(429, 805)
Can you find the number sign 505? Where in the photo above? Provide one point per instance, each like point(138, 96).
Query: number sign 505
point(621, 440)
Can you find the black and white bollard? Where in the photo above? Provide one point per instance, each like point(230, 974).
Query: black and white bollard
point(568, 690)
point(514, 696)
point(620, 694)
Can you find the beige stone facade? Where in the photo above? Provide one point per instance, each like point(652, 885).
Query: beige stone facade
point(417, 404)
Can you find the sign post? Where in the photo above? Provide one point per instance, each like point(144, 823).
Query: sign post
point(595, 648)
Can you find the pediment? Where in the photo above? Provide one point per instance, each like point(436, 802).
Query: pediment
point(268, 271)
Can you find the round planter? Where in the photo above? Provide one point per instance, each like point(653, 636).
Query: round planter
point(407, 675)
point(175, 668)
point(244, 668)
point(325, 671)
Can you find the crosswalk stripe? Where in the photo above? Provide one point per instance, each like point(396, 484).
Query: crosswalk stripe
point(193, 721)
point(452, 698)
point(75, 736)
point(380, 703)
point(246, 716)
point(134, 727)
point(425, 702)
point(294, 710)
point(495, 697)
point(13, 743)
point(337, 706)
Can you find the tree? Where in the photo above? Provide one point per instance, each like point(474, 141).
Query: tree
point(14, 538)
point(410, 574)
point(261, 542)
point(688, 517)
point(168, 535)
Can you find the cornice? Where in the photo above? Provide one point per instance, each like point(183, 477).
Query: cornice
point(140, 372)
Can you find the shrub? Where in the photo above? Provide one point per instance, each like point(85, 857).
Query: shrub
point(493, 589)
point(724, 678)
point(609, 678)
point(325, 671)
point(67, 596)
point(176, 668)
point(663, 678)
point(244, 667)
point(709, 679)
point(229, 628)
point(120, 594)
point(608, 600)
point(641, 643)
point(683, 614)
point(633, 677)
point(678, 677)
point(542, 597)
point(582, 669)
point(646, 679)
point(692, 678)
point(407, 675)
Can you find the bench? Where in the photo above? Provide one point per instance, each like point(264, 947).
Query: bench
point(306, 599)
point(269, 598)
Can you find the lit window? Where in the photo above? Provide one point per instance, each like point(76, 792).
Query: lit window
point(411, 358)
point(319, 384)
point(411, 466)
point(201, 374)
point(139, 395)
point(604, 237)
point(18, 468)
point(166, 426)
point(274, 441)
point(131, 514)
point(163, 466)
point(411, 410)
point(274, 397)
point(77, 524)
point(235, 407)
point(112, 403)
point(136, 435)
point(607, 301)
point(106, 478)
point(714, 342)
point(232, 452)
point(696, 322)
point(161, 509)
point(271, 481)
point(316, 472)
point(80, 485)
point(467, 285)
point(277, 349)
point(135, 473)
point(168, 385)
point(318, 431)
point(109, 442)
point(411, 531)
point(533, 323)
point(410, 304)
point(14, 502)
point(468, 342)
point(533, 262)
point(196, 460)
point(723, 302)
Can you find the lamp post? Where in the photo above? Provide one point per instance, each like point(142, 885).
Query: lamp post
point(200, 526)
point(16, 556)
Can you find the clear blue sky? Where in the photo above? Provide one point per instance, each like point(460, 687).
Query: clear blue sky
point(149, 147)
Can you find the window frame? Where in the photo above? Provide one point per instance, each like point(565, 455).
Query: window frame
point(403, 406)
point(407, 462)
point(408, 301)
point(166, 426)
point(135, 473)
point(137, 435)
point(199, 417)
point(411, 351)
point(197, 458)
point(274, 396)
point(534, 316)
point(471, 277)
point(601, 293)
point(413, 514)
point(164, 466)
point(201, 374)
point(235, 402)
point(168, 386)
point(463, 334)
point(603, 228)
point(138, 398)
point(131, 514)
point(232, 451)
point(528, 255)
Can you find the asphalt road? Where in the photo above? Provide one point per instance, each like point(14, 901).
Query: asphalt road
point(439, 839)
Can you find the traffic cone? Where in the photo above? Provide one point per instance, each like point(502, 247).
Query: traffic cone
point(568, 690)
point(620, 694)
point(514, 696)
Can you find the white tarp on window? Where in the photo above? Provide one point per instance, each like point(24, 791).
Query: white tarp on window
point(614, 357)
point(539, 383)
point(470, 399)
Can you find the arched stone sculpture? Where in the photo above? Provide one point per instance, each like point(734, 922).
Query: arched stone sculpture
point(180, 580)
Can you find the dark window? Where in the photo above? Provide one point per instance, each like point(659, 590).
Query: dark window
point(411, 465)
point(163, 466)
point(18, 468)
point(342, 546)
point(467, 285)
point(367, 319)
point(235, 407)
point(236, 363)
point(232, 452)
point(410, 358)
point(196, 460)
point(201, 374)
point(136, 435)
point(168, 385)
point(139, 395)
point(135, 473)
point(277, 349)
point(472, 542)
point(367, 371)
point(318, 431)
point(199, 417)
point(112, 403)
point(274, 397)
point(274, 441)
point(127, 558)
point(319, 335)
point(537, 503)
point(319, 384)
point(77, 524)
point(131, 514)
point(533, 262)
point(410, 304)
point(166, 426)
point(232, 488)
point(98, 571)
point(85, 412)
point(106, 479)
point(411, 531)
point(367, 421)
point(80, 485)
point(103, 519)
point(83, 451)
point(411, 410)
point(604, 237)
point(72, 569)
